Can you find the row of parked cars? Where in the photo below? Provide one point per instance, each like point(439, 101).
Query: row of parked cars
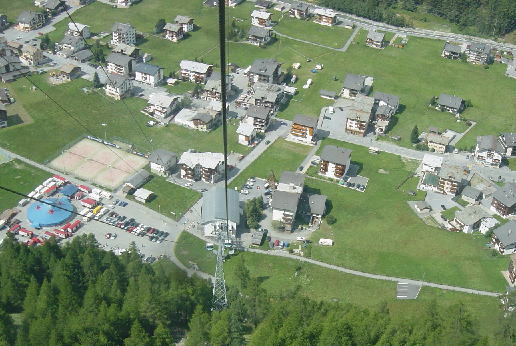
point(130, 225)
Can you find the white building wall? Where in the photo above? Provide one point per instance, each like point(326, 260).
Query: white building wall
point(277, 215)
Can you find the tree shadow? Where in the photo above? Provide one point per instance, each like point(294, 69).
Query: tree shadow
point(401, 109)
point(14, 119)
point(329, 207)
point(358, 166)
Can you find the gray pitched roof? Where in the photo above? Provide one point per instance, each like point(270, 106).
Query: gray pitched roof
point(283, 200)
point(375, 36)
point(384, 110)
point(305, 120)
point(147, 69)
point(354, 81)
point(84, 54)
point(471, 192)
point(327, 93)
point(163, 157)
point(203, 116)
point(452, 48)
point(299, 6)
point(289, 177)
point(489, 142)
point(264, 67)
point(471, 215)
point(116, 80)
point(263, 3)
point(451, 101)
point(214, 206)
point(479, 48)
point(317, 204)
point(53, 4)
point(182, 19)
point(335, 154)
point(27, 16)
point(122, 27)
point(172, 27)
point(71, 40)
point(118, 59)
point(258, 31)
point(509, 139)
point(138, 179)
point(506, 233)
point(391, 100)
point(258, 112)
point(506, 194)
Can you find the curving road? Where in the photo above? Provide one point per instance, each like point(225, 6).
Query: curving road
point(374, 276)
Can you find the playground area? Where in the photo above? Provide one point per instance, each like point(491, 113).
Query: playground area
point(98, 163)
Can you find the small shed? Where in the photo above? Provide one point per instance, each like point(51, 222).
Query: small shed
point(142, 195)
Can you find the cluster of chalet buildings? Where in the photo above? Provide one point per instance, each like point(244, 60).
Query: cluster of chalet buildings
point(475, 53)
point(491, 150)
point(289, 200)
point(478, 214)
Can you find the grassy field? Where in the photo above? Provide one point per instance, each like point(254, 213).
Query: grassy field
point(279, 276)
point(307, 30)
point(280, 156)
point(512, 164)
point(377, 232)
point(52, 129)
point(19, 176)
point(170, 199)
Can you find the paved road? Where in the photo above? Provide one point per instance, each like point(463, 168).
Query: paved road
point(350, 40)
point(373, 276)
point(433, 34)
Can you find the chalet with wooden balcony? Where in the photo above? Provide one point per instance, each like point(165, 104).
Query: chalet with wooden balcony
point(266, 95)
point(186, 23)
point(119, 64)
point(298, 10)
point(123, 33)
point(259, 36)
point(360, 115)
point(478, 53)
point(78, 30)
point(284, 207)
point(353, 85)
point(259, 117)
point(208, 167)
point(317, 205)
point(246, 133)
point(303, 129)
point(452, 179)
point(504, 200)
point(54, 7)
point(325, 16)
point(468, 219)
point(70, 45)
point(376, 39)
point(504, 238)
point(30, 20)
point(118, 86)
point(450, 103)
point(125, 49)
point(386, 106)
point(31, 55)
point(173, 32)
point(194, 71)
point(508, 142)
point(291, 182)
point(213, 88)
point(264, 71)
point(160, 107)
point(261, 18)
point(489, 151)
point(451, 51)
point(162, 162)
point(334, 161)
point(438, 142)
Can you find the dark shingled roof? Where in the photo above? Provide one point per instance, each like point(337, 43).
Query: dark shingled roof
point(317, 204)
point(449, 101)
point(264, 67)
point(506, 233)
point(336, 154)
point(283, 200)
point(391, 100)
point(258, 31)
point(119, 59)
point(27, 16)
point(506, 194)
point(509, 138)
point(354, 81)
point(147, 69)
point(289, 177)
point(305, 120)
point(299, 6)
point(258, 112)
point(163, 157)
point(489, 142)
point(452, 48)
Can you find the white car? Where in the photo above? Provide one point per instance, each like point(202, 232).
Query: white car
point(245, 192)
point(300, 239)
point(188, 184)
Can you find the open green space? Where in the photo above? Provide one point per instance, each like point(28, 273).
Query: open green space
point(170, 199)
point(307, 30)
point(280, 156)
point(377, 232)
point(283, 275)
point(52, 129)
point(19, 176)
point(12, 9)
point(449, 214)
point(512, 164)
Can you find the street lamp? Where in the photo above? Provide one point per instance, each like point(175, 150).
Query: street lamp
point(105, 131)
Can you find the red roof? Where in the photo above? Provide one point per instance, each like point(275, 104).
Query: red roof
point(84, 188)
point(50, 234)
point(50, 189)
point(76, 223)
point(89, 201)
point(59, 231)
point(66, 226)
point(58, 177)
point(26, 231)
point(14, 228)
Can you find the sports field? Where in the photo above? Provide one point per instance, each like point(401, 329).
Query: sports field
point(98, 163)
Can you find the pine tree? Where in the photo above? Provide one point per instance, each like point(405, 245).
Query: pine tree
point(160, 24)
point(414, 135)
point(138, 336)
point(199, 328)
point(220, 332)
point(162, 336)
point(96, 80)
point(242, 273)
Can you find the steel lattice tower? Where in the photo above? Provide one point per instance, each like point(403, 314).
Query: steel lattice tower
point(220, 300)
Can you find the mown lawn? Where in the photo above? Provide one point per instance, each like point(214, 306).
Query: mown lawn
point(279, 276)
point(170, 199)
point(52, 129)
point(18, 176)
point(280, 156)
point(377, 232)
point(12, 9)
point(307, 30)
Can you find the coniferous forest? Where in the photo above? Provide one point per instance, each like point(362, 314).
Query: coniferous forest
point(78, 294)
point(487, 17)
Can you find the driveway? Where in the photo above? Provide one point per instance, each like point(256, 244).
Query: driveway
point(437, 199)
